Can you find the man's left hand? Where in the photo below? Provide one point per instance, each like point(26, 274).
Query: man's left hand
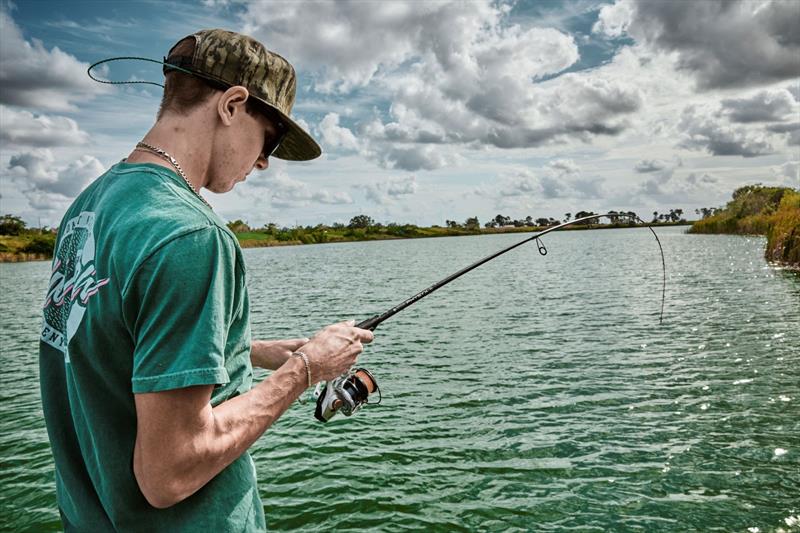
point(272, 354)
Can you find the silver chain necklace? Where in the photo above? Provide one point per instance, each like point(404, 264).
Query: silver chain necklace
point(174, 162)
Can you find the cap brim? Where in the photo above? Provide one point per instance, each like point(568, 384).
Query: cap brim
point(297, 145)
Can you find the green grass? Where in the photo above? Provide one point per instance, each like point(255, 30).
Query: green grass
point(326, 234)
point(759, 210)
point(28, 246)
point(783, 237)
point(33, 245)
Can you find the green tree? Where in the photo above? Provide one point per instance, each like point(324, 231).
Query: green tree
point(11, 225)
point(472, 223)
point(41, 244)
point(360, 222)
point(581, 214)
point(238, 226)
point(502, 220)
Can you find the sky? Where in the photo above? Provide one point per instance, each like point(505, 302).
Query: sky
point(429, 111)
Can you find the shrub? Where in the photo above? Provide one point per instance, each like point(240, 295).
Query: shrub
point(783, 238)
point(11, 225)
point(41, 244)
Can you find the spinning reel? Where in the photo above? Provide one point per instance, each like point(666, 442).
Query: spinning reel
point(345, 394)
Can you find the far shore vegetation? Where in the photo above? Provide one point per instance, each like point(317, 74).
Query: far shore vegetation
point(760, 210)
point(754, 210)
point(18, 242)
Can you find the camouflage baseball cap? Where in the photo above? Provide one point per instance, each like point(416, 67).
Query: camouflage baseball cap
point(227, 59)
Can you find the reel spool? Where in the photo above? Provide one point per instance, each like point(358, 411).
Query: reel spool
point(346, 394)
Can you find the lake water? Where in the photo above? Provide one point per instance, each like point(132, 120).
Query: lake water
point(533, 394)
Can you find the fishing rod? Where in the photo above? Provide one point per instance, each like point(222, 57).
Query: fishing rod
point(347, 393)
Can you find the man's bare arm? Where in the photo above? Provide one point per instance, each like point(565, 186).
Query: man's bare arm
point(182, 442)
point(272, 354)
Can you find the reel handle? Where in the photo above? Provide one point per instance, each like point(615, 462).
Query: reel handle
point(370, 323)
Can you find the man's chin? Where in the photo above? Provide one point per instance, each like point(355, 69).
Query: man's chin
point(223, 188)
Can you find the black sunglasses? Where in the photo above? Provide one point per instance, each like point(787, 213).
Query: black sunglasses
point(271, 143)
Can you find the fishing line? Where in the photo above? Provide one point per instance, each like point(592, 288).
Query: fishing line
point(350, 391)
point(372, 323)
point(347, 393)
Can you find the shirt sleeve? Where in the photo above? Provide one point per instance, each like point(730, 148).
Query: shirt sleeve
point(182, 299)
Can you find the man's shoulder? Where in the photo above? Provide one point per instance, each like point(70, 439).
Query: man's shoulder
point(148, 197)
point(138, 209)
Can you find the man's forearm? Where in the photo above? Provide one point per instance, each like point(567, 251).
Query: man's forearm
point(182, 442)
point(272, 354)
point(214, 439)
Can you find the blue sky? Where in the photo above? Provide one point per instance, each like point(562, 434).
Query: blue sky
point(430, 111)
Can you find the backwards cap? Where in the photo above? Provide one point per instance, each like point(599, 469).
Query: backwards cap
point(227, 58)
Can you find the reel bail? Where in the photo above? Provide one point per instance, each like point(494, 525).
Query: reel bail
point(346, 394)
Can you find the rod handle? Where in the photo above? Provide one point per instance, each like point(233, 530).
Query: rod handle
point(370, 323)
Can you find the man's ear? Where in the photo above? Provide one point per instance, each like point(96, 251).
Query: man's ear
point(231, 102)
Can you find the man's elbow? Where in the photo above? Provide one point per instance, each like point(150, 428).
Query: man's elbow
point(158, 488)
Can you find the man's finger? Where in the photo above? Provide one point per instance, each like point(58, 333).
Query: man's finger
point(365, 335)
point(293, 344)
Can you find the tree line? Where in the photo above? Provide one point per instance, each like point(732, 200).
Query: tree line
point(366, 222)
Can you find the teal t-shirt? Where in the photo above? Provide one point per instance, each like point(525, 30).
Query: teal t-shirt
point(147, 293)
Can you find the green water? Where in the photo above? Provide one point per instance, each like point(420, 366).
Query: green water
point(534, 394)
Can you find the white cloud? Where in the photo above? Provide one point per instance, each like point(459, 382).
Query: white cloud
point(414, 158)
point(456, 73)
point(47, 201)
point(564, 166)
point(349, 43)
point(336, 136)
point(614, 19)
point(36, 77)
point(22, 128)
point(788, 173)
point(703, 132)
point(659, 174)
point(386, 192)
point(48, 186)
point(722, 43)
point(558, 179)
point(287, 192)
point(792, 131)
point(650, 165)
point(764, 106)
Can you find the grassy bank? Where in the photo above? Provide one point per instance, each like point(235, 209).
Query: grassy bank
point(26, 247)
point(35, 247)
point(327, 234)
point(759, 210)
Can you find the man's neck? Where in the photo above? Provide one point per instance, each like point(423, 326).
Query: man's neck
point(192, 152)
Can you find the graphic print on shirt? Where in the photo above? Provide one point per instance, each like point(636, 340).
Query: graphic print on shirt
point(72, 283)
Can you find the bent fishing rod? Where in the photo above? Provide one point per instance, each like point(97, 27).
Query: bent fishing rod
point(347, 393)
point(372, 323)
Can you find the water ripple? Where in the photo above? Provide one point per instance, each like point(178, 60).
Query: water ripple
point(537, 393)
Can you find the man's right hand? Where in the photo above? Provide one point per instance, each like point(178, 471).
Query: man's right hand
point(182, 441)
point(334, 349)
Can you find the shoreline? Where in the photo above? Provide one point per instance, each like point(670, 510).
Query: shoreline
point(20, 257)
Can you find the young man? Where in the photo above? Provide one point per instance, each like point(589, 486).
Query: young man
point(145, 354)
